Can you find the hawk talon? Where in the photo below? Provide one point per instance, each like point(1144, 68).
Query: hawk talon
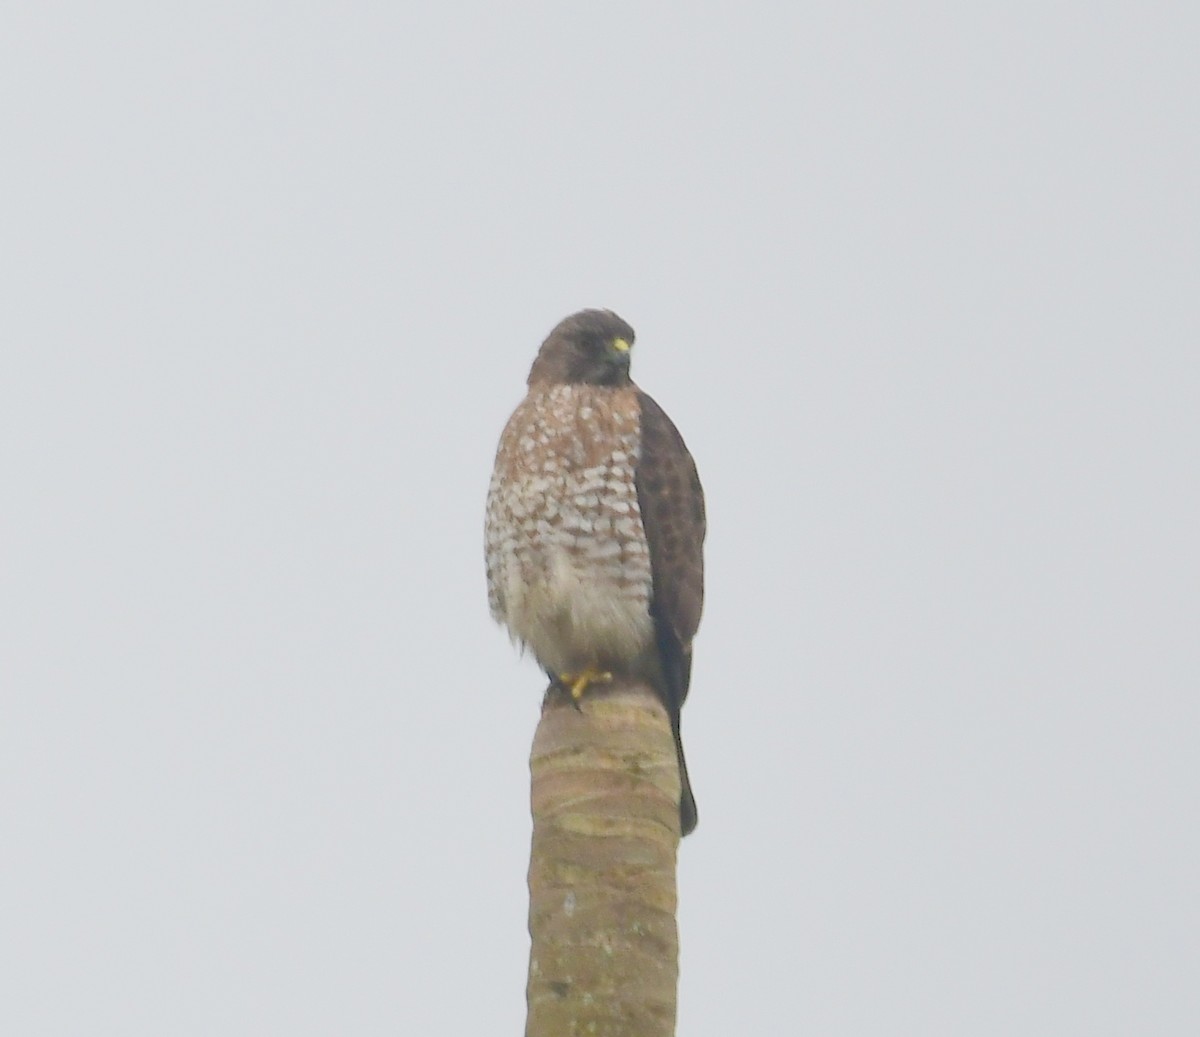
point(577, 683)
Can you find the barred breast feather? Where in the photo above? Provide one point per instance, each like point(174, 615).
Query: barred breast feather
point(568, 566)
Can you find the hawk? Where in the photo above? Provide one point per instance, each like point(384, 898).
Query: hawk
point(595, 525)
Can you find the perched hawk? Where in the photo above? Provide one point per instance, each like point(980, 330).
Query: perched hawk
point(595, 524)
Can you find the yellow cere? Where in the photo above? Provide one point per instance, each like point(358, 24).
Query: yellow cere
point(620, 345)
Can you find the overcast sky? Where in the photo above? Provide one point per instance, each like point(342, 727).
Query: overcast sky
point(919, 284)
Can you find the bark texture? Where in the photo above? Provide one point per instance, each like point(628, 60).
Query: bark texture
point(604, 959)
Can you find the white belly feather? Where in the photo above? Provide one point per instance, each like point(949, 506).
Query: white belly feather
point(570, 617)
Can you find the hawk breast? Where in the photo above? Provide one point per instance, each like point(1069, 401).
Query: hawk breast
point(567, 559)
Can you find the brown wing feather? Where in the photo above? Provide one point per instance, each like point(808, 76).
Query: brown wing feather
point(672, 504)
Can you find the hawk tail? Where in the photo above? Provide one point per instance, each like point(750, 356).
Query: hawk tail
point(688, 816)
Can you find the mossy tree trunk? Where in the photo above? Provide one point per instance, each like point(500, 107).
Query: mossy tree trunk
point(604, 959)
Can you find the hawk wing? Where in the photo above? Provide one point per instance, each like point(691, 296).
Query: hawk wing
point(672, 505)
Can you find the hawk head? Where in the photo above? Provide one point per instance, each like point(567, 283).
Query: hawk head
point(590, 347)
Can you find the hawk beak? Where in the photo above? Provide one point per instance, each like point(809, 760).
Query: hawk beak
point(620, 351)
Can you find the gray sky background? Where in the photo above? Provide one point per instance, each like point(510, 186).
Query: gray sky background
point(918, 283)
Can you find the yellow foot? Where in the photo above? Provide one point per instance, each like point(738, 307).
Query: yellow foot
point(578, 682)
